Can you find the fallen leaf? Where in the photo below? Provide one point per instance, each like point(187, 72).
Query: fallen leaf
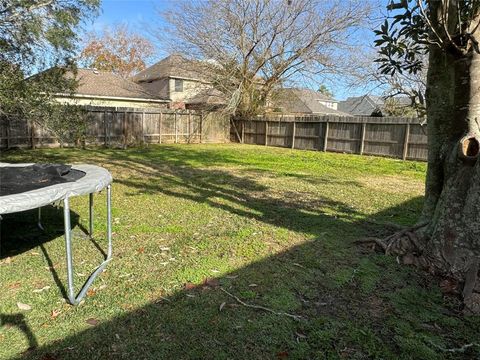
point(23, 306)
point(92, 322)
point(222, 305)
point(282, 355)
point(141, 250)
point(91, 292)
point(213, 282)
point(14, 285)
point(54, 314)
point(189, 286)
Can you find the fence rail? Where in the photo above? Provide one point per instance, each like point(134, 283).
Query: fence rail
point(403, 138)
point(111, 126)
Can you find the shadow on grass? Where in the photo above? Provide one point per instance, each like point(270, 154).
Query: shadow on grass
point(352, 304)
point(367, 308)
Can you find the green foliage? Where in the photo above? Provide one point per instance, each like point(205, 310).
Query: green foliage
point(35, 35)
point(402, 39)
point(325, 91)
point(393, 107)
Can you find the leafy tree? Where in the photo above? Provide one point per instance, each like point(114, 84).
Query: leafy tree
point(34, 35)
point(447, 238)
point(393, 107)
point(246, 49)
point(118, 50)
point(325, 91)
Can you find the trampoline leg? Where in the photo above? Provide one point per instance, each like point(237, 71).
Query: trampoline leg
point(39, 219)
point(68, 245)
point(90, 228)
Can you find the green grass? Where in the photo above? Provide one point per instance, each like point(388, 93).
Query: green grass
point(274, 227)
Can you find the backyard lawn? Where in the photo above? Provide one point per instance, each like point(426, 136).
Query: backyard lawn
point(197, 225)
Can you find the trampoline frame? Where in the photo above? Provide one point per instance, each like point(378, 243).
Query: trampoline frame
point(72, 298)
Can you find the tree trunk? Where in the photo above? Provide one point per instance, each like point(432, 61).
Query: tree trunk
point(451, 241)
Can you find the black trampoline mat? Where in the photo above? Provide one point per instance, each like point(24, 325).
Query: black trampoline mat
point(16, 180)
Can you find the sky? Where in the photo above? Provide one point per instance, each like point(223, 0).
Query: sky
point(142, 14)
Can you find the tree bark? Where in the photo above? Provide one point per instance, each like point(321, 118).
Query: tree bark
point(450, 242)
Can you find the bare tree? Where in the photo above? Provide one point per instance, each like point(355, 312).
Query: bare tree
point(366, 75)
point(247, 48)
point(118, 50)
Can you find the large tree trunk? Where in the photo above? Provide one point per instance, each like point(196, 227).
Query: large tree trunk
point(450, 243)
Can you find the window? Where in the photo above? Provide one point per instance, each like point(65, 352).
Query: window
point(178, 85)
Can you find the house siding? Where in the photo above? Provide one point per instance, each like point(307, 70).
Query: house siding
point(111, 102)
point(190, 89)
point(159, 87)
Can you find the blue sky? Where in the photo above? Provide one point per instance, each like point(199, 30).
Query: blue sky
point(139, 14)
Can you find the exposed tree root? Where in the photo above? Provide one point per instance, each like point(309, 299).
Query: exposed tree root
point(408, 246)
point(402, 242)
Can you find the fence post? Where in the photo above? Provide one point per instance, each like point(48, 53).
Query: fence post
point(7, 131)
point(243, 131)
point(266, 133)
point(125, 129)
point(405, 141)
point(325, 137)
point(189, 126)
point(362, 139)
point(143, 126)
point(293, 134)
point(175, 125)
point(105, 134)
point(201, 126)
point(160, 128)
point(32, 134)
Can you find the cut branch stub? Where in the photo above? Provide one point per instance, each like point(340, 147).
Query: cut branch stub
point(469, 148)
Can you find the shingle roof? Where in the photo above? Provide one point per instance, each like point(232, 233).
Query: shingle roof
point(305, 101)
point(360, 105)
point(103, 83)
point(171, 66)
point(365, 105)
point(208, 96)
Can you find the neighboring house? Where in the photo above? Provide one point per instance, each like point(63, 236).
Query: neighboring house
point(305, 102)
point(368, 105)
point(101, 88)
point(178, 79)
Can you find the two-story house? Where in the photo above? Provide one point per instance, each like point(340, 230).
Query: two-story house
point(178, 79)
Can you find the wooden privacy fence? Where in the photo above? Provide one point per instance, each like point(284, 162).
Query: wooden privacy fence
point(403, 138)
point(112, 126)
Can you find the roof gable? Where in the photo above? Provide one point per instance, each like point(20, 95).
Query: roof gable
point(171, 66)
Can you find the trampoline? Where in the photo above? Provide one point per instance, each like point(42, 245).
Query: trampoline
point(32, 186)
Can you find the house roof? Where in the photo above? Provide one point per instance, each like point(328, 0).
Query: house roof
point(366, 104)
point(209, 96)
point(175, 66)
point(361, 105)
point(305, 101)
point(103, 83)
